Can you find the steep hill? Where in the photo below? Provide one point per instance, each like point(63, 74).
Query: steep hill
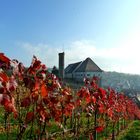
point(128, 83)
point(121, 81)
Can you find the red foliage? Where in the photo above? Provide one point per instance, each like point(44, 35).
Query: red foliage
point(4, 61)
point(29, 117)
point(26, 102)
point(3, 76)
point(93, 99)
point(78, 102)
point(68, 109)
point(4, 58)
point(35, 66)
point(90, 136)
point(34, 97)
point(44, 91)
point(8, 103)
point(102, 92)
point(50, 101)
point(99, 129)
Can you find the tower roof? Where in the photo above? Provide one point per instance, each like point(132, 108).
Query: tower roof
point(71, 67)
point(88, 66)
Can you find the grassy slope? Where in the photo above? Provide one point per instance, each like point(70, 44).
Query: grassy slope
point(132, 133)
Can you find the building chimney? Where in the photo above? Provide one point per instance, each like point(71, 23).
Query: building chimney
point(61, 65)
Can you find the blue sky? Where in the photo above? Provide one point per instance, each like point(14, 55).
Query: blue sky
point(108, 31)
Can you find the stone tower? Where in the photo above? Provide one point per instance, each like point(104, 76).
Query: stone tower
point(61, 65)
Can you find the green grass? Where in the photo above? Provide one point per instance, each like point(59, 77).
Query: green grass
point(132, 133)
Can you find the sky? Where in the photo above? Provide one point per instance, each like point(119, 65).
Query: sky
point(108, 31)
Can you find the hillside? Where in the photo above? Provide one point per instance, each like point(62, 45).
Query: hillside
point(121, 81)
point(128, 83)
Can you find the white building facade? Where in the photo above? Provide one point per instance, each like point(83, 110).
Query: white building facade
point(78, 71)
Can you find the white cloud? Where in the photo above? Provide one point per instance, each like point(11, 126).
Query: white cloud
point(47, 54)
point(123, 57)
point(79, 50)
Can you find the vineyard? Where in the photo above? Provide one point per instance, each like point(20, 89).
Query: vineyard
point(36, 105)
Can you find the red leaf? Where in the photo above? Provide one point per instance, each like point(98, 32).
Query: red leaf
point(101, 106)
point(78, 102)
point(95, 78)
point(101, 109)
point(44, 91)
point(15, 114)
point(4, 58)
point(34, 96)
point(29, 117)
point(110, 112)
point(88, 100)
point(68, 109)
point(43, 115)
point(93, 99)
point(99, 129)
point(4, 76)
point(36, 86)
point(8, 104)
point(90, 136)
point(102, 91)
point(36, 64)
point(1, 98)
point(25, 102)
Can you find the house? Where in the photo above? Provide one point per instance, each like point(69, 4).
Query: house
point(78, 71)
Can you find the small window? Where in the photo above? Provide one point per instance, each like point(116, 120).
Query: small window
point(88, 74)
point(81, 74)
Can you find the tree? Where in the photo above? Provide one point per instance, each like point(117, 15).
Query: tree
point(55, 71)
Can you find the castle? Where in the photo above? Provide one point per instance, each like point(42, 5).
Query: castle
point(79, 70)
